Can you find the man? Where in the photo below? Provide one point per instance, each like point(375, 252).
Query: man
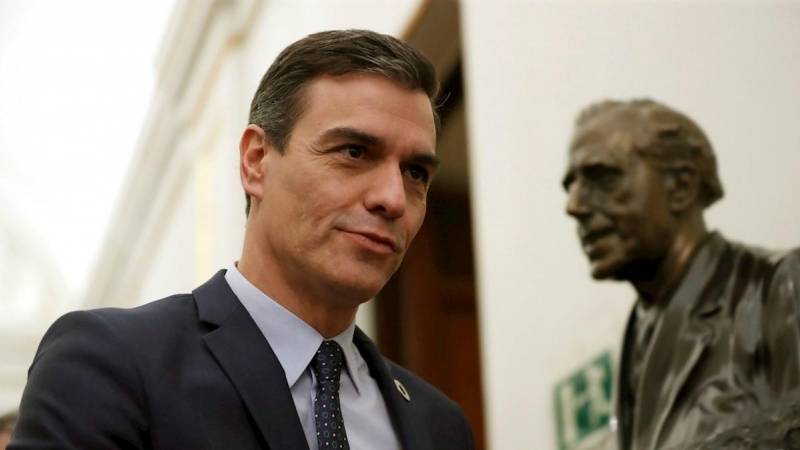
point(714, 333)
point(335, 163)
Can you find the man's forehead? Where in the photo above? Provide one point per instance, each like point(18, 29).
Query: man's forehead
point(370, 109)
point(617, 127)
point(601, 145)
point(358, 87)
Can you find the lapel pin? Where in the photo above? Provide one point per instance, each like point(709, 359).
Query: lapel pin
point(402, 390)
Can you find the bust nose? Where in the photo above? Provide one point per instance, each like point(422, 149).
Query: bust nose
point(577, 206)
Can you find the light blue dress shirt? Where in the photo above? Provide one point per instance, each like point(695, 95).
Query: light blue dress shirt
point(294, 343)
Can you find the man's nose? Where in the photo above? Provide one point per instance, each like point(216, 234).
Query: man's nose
point(386, 195)
point(576, 201)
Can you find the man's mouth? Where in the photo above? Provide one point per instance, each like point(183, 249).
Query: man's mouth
point(592, 242)
point(590, 237)
point(375, 240)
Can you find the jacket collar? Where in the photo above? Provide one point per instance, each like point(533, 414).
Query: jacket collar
point(406, 420)
point(246, 357)
point(681, 337)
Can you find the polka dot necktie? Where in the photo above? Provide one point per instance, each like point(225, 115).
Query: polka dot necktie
point(327, 366)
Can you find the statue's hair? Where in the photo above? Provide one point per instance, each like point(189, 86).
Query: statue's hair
point(660, 132)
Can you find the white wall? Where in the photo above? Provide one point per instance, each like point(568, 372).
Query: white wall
point(530, 67)
point(205, 221)
point(282, 22)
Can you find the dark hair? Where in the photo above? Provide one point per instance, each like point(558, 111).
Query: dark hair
point(279, 100)
point(658, 131)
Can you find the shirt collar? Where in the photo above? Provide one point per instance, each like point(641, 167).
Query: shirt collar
point(293, 341)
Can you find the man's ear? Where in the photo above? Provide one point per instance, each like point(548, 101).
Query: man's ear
point(682, 185)
point(252, 148)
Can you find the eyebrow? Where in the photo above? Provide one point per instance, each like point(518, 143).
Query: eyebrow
point(586, 168)
point(426, 159)
point(369, 139)
point(353, 134)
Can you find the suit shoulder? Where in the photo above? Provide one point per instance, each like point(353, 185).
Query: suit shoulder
point(767, 281)
point(767, 257)
point(156, 314)
point(753, 265)
point(786, 279)
point(778, 267)
point(790, 259)
point(161, 318)
point(84, 384)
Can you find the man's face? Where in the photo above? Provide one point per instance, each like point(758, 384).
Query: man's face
point(619, 201)
point(341, 206)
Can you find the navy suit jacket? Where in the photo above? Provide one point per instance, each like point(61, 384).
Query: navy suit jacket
point(194, 371)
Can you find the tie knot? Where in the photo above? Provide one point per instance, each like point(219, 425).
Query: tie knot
point(327, 363)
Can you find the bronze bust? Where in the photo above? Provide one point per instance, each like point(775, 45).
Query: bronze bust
point(715, 332)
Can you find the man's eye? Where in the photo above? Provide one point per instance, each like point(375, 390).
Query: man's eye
point(418, 173)
point(354, 151)
point(607, 180)
point(603, 177)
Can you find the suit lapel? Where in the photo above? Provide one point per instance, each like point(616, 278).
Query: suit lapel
point(252, 367)
point(624, 398)
point(682, 336)
point(406, 422)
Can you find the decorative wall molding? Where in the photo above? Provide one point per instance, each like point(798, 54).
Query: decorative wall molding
point(201, 37)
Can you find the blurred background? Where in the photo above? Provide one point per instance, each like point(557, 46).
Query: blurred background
point(119, 129)
point(76, 79)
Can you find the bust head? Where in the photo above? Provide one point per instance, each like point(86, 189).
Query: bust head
point(639, 173)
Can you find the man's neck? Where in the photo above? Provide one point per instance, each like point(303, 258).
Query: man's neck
point(322, 312)
point(656, 289)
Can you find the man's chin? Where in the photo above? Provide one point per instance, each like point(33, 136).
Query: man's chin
point(604, 271)
point(357, 290)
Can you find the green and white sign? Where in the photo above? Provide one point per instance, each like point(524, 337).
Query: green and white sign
point(583, 405)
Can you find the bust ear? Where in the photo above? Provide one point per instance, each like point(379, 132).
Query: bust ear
point(682, 185)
